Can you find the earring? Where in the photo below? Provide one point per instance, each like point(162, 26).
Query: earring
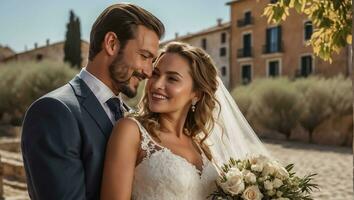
point(193, 106)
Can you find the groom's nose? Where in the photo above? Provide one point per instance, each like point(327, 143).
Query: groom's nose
point(147, 70)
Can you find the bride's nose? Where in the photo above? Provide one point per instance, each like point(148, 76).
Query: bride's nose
point(159, 83)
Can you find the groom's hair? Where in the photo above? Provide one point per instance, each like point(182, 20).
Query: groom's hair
point(122, 19)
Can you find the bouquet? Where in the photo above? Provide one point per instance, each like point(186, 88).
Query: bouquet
point(259, 178)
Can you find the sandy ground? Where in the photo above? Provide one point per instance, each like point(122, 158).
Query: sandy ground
point(334, 166)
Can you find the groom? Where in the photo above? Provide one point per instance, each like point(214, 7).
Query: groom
point(65, 132)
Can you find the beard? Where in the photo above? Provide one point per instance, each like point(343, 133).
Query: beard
point(119, 72)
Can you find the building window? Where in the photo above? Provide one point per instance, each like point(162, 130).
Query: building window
point(273, 1)
point(273, 40)
point(39, 57)
point(248, 17)
point(247, 20)
point(222, 51)
point(246, 74)
point(308, 30)
point(273, 68)
point(306, 66)
point(223, 38)
point(223, 71)
point(246, 51)
point(204, 43)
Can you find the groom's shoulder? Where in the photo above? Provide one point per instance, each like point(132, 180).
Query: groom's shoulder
point(65, 93)
point(60, 97)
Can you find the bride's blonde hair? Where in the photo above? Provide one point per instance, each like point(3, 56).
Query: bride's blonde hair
point(204, 76)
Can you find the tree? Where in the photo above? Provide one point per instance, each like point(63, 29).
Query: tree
point(331, 18)
point(72, 45)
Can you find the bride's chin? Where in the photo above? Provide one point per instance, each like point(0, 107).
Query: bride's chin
point(153, 108)
point(157, 109)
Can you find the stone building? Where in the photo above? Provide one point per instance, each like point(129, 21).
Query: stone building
point(5, 52)
point(259, 50)
point(53, 51)
point(215, 41)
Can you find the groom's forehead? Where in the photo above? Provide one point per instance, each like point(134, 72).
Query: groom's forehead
point(147, 40)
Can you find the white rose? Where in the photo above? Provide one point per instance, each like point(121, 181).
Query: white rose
point(277, 183)
point(281, 173)
point(258, 162)
point(268, 185)
point(257, 167)
point(268, 169)
point(234, 183)
point(282, 198)
point(252, 193)
point(250, 177)
point(245, 172)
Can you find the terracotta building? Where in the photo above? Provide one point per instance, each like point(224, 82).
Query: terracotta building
point(53, 51)
point(259, 50)
point(215, 41)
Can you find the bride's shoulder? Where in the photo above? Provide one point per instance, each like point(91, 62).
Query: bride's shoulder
point(127, 128)
point(128, 121)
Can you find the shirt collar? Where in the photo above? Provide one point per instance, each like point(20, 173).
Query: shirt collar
point(100, 90)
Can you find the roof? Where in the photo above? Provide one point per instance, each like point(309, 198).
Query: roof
point(215, 28)
point(231, 2)
point(36, 49)
point(5, 52)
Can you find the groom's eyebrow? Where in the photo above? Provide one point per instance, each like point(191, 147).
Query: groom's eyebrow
point(149, 54)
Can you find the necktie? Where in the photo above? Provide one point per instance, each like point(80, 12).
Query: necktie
point(114, 105)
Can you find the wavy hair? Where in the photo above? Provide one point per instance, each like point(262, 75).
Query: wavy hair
point(204, 76)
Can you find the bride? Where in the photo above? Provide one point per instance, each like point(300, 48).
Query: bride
point(173, 147)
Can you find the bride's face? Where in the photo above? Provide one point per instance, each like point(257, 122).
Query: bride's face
point(170, 89)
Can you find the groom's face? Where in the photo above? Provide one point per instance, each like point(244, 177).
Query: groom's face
point(134, 63)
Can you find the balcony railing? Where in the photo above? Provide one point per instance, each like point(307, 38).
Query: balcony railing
point(273, 48)
point(244, 52)
point(244, 22)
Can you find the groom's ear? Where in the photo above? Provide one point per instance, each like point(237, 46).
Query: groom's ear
point(111, 44)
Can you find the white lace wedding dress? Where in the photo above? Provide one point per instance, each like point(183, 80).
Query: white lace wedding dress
point(163, 175)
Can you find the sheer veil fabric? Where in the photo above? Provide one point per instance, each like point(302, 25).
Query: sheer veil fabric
point(232, 136)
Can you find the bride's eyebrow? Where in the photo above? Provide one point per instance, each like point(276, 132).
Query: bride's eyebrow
point(174, 73)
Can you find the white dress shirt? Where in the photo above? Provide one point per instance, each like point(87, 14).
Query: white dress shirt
point(100, 90)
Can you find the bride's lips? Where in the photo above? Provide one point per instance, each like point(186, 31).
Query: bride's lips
point(158, 96)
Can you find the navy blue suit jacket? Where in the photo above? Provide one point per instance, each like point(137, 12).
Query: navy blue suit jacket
point(63, 144)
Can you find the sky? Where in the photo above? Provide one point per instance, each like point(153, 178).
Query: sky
point(25, 22)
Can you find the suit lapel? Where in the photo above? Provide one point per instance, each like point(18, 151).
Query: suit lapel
point(89, 101)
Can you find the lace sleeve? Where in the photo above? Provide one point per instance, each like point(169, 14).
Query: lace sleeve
point(147, 144)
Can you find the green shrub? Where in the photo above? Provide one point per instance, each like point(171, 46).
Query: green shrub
point(316, 97)
point(276, 105)
point(279, 104)
point(243, 98)
point(341, 100)
point(24, 82)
